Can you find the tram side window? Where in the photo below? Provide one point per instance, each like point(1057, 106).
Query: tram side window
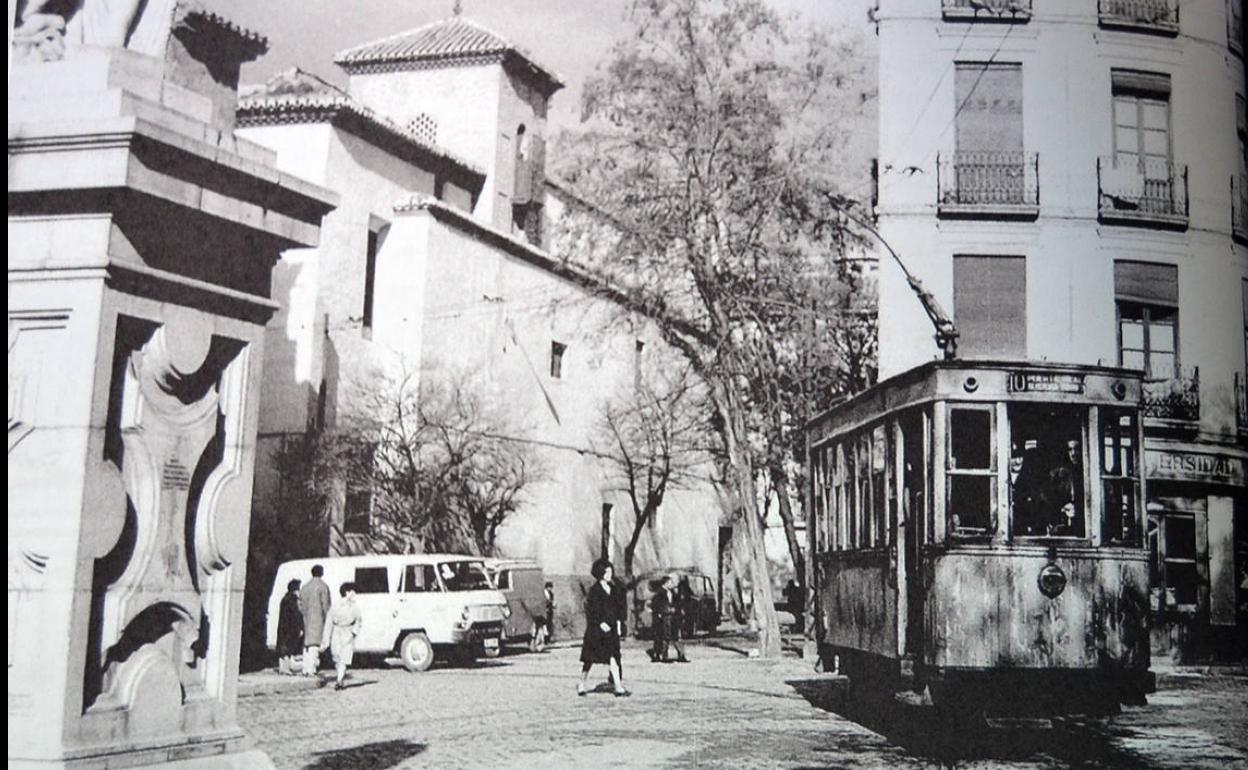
point(879, 527)
point(841, 497)
point(1047, 496)
point(1119, 479)
point(971, 472)
point(863, 508)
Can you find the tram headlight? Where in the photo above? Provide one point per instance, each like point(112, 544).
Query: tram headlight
point(1119, 390)
point(1052, 580)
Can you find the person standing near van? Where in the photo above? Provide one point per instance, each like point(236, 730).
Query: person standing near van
point(289, 630)
point(344, 625)
point(604, 623)
point(314, 604)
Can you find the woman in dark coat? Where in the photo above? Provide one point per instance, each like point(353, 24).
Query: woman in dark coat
point(604, 623)
point(289, 630)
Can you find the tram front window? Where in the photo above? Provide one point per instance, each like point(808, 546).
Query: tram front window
point(1047, 470)
point(972, 474)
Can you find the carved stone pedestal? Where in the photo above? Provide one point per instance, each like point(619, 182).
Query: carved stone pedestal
point(141, 238)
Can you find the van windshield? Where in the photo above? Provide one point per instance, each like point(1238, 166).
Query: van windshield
point(464, 576)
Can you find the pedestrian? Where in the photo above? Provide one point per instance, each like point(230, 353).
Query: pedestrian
point(661, 618)
point(680, 602)
point(543, 623)
point(686, 609)
point(314, 604)
point(604, 624)
point(344, 625)
point(667, 618)
point(549, 592)
point(289, 630)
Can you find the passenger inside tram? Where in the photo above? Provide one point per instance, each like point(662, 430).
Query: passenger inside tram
point(1046, 471)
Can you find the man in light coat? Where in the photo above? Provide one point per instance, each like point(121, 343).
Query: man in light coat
point(314, 601)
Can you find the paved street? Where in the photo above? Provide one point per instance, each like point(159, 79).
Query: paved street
point(721, 711)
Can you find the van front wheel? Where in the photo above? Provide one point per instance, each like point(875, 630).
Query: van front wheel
point(416, 652)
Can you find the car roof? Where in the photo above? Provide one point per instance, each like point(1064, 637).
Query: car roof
point(495, 563)
point(375, 558)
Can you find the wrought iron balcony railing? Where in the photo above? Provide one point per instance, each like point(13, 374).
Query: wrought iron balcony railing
point(1150, 15)
point(1241, 404)
point(985, 10)
point(1142, 190)
point(1174, 399)
point(1239, 208)
point(982, 183)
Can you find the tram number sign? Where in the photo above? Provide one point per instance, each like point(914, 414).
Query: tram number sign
point(1044, 382)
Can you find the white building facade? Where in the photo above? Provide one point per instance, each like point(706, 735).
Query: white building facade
point(1068, 178)
point(434, 262)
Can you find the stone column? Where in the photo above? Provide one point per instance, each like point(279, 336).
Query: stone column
point(141, 239)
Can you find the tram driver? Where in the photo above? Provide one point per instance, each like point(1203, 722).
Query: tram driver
point(1066, 491)
point(1046, 492)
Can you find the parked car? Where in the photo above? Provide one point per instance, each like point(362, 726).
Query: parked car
point(522, 582)
point(642, 591)
point(416, 606)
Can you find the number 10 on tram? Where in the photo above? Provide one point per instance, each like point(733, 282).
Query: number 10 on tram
point(977, 534)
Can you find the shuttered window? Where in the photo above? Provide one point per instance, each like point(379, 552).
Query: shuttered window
point(990, 306)
point(989, 107)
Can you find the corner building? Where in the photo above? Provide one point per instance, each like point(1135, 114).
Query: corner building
point(1068, 178)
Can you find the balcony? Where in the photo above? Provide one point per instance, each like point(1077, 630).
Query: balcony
point(1175, 400)
point(1158, 16)
point(985, 10)
point(982, 184)
point(1148, 192)
point(1239, 208)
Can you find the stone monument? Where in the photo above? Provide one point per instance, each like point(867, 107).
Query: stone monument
point(142, 234)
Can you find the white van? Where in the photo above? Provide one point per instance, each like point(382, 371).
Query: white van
point(416, 606)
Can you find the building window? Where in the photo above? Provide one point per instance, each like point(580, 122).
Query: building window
point(1147, 297)
point(557, 349)
point(357, 513)
point(990, 306)
point(988, 166)
point(1178, 546)
point(971, 472)
point(1141, 178)
point(370, 281)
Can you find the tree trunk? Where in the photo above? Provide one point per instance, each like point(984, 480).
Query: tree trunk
point(755, 547)
point(780, 482)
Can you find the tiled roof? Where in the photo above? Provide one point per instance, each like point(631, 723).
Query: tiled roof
point(296, 96)
point(451, 39)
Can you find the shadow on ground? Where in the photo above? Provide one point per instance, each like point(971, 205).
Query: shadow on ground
point(922, 731)
point(369, 756)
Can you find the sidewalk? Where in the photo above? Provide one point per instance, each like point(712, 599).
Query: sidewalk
point(269, 682)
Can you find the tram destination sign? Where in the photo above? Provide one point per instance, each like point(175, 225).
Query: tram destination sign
point(1044, 382)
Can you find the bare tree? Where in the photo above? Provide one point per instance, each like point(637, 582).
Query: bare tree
point(655, 438)
point(711, 150)
point(441, 466)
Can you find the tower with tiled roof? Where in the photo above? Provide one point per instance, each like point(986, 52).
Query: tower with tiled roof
point(480, 96)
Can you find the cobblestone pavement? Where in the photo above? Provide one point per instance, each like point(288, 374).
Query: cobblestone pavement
point(721, 711)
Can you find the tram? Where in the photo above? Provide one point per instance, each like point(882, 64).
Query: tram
point(977, 531)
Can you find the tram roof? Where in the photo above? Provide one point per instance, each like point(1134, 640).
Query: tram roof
point(983, 380)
